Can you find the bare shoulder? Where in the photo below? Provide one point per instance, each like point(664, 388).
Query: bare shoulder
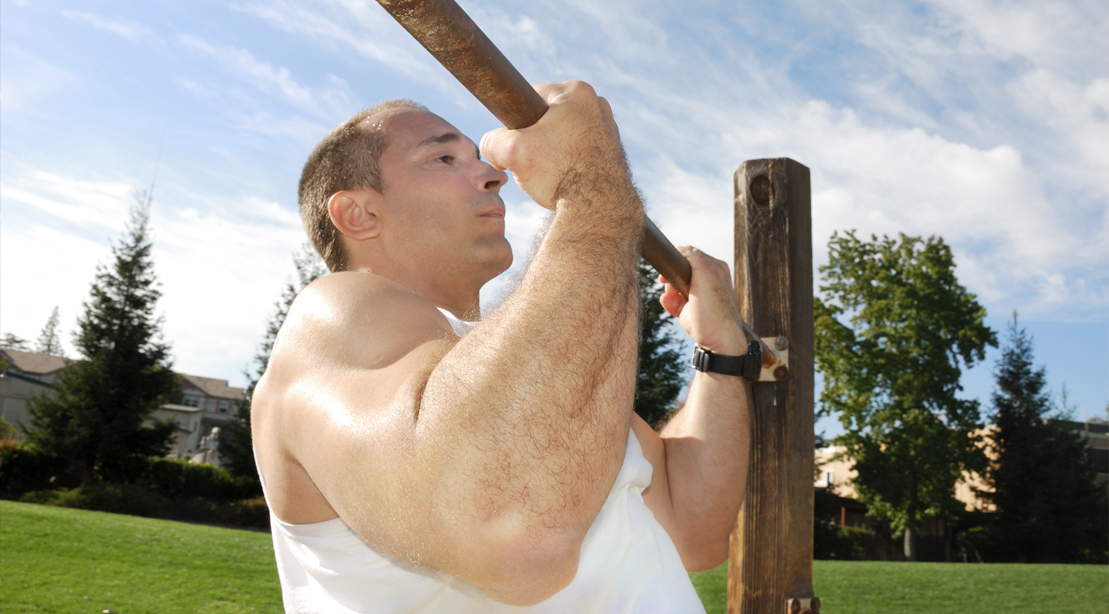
point(357, 319)
point(351, 346)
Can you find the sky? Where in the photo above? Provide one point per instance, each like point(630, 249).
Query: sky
point(985, 123)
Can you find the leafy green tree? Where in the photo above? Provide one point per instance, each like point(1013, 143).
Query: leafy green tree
point(892, 373)
point(49, 341)
point(662, 369)
point(236, 447)
point(1041, 479)
point(14, 342)
point(95, 416)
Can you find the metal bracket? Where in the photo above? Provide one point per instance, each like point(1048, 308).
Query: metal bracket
point(775, 359)
point(803, 605)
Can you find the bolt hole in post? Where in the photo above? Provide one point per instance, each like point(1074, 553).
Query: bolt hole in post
point(762, 190)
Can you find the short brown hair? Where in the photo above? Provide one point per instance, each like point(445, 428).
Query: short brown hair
point(346, 159)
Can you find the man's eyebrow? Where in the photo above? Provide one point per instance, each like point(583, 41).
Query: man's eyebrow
point(448, 137)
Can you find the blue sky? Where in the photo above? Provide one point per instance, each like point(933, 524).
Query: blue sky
point(986, 123)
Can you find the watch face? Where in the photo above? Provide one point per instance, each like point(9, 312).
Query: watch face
point(753, 364)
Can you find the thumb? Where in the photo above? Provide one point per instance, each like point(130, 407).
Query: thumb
point(496, 148)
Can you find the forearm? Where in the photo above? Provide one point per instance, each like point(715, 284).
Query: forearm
point(536, 399)
point(707, 454)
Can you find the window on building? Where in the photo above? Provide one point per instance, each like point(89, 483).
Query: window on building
point(223, 407)
point(829, 477)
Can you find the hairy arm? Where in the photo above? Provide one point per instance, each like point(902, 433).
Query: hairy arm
point(487, 457)
point(701, 456)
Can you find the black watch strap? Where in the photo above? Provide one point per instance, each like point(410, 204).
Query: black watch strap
point(747, 366)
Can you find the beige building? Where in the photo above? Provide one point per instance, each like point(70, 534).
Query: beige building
point(836, 474)
point(206, 403)
point(27, 375)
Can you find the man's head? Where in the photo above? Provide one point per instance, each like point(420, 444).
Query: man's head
point(400, 192)
point(346, 159)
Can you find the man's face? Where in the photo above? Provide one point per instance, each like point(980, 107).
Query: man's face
point(441, 210)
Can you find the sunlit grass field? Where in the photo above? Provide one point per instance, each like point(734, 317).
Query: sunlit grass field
point(74, 561)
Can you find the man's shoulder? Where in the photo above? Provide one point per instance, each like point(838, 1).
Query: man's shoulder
point(356, 319)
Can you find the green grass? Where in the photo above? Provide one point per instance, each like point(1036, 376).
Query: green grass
point(865, 587)
point(74, 561)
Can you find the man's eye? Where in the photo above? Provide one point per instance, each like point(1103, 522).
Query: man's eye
point(447, 158)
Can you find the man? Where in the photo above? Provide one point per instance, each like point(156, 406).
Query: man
point(411, 469)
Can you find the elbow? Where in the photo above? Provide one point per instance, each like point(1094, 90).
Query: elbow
point(702, 552)
point(530, 567)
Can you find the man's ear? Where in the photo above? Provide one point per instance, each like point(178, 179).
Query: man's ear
point(354, 213)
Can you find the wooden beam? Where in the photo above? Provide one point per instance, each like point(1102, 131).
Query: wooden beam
point(770, 560)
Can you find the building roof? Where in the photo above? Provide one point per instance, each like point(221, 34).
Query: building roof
point(214, 387)
point(25, 378)
point(181, 408)
point(34, 363)
point(1092, 427)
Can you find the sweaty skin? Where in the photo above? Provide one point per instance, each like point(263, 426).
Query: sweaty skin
point(489, 457)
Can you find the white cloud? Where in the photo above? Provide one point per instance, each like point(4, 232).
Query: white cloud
point(220, 267)
point(334, 96)
point(27, 79)
point(127, 28)
point(344, 25)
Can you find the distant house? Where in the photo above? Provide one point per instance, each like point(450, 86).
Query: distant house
point(206, 402)
point(27, 375)
point(217, 401)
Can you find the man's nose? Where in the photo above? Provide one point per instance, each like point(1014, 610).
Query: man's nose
point(489, 179)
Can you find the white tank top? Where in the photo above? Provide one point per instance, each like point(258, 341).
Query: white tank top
point(628, 564)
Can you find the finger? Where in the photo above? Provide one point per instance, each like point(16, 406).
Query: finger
point(496, 146)
point(673, 302)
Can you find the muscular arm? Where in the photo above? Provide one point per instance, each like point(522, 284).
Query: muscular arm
point(701, 456)
point(487, 457)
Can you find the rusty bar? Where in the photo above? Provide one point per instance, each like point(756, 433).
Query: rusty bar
point(451, 37)
point(449, 34)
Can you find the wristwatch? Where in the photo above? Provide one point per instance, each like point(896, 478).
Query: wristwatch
point(747, 366)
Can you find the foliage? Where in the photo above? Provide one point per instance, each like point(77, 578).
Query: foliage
point(13, 342)
point(68, 560)
point(24, 468)
point(662, 369)
point(236, 449)
point(892, 376)
point(96, 415)
point(113, 498)
point(49, 341)
point(833, 541)
point(1048, 507)
point(136, 501)
point(7, 429)
point(179, 479)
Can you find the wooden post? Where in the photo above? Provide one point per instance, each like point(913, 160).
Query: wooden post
point(770, 562)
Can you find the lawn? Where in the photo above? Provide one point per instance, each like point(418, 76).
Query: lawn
point(870, 587)
point(69, 561)
point(66, 561)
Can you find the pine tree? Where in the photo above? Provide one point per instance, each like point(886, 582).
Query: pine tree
point(236, 448)
point(95, 415)
point(49, 341)
point(14, 342)
point(661, 366)
point(1041, 480)
point(892, 376)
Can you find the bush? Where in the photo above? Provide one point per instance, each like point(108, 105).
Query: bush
point(846, 543)
point(135, 501)
point(114, 498)
point(179, 479)
point(24, 469)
